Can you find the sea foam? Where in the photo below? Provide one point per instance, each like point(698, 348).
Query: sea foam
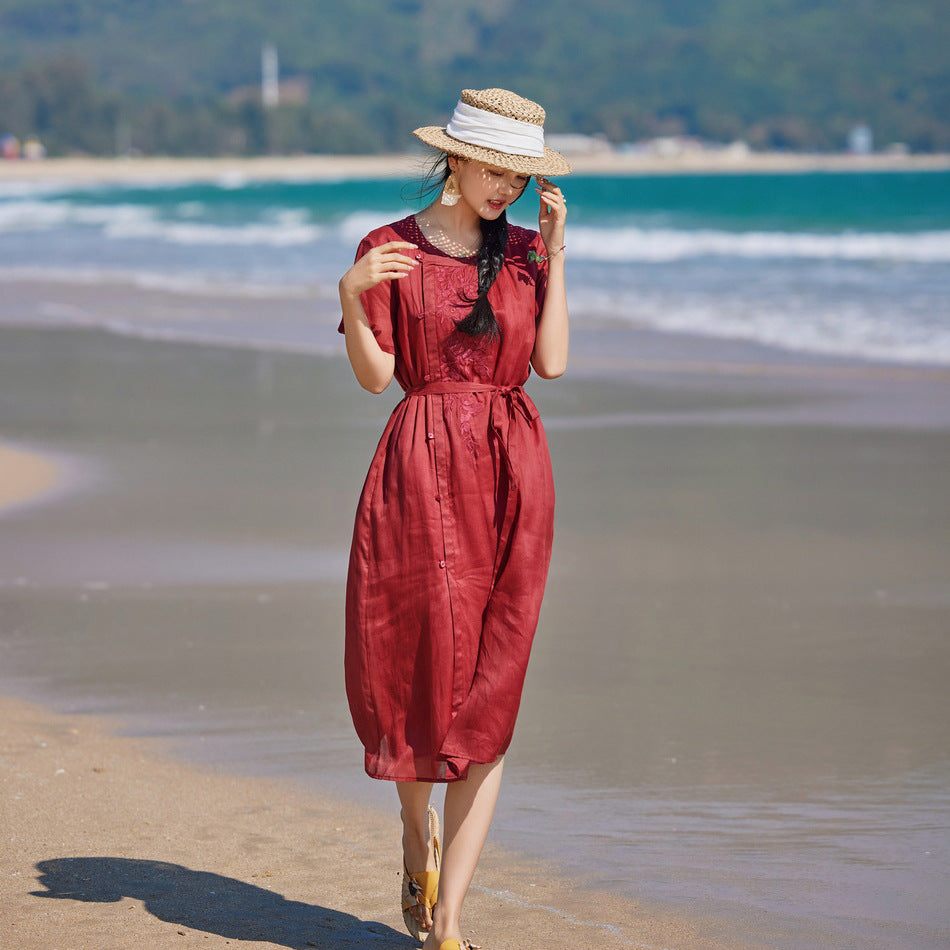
point(666, 244)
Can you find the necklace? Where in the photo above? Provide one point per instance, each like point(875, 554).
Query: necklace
point(437, 237)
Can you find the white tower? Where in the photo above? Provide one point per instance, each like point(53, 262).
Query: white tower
point(270, 88)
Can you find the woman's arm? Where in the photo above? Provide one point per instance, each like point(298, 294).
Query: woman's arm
point(549, 357)
point(372, 366)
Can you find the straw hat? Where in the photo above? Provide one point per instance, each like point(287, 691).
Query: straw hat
point(498, 128)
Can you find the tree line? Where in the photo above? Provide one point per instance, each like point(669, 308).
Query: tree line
point(60, 103)
point(107, 76)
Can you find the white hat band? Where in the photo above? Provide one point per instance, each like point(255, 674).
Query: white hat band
point(498, 132)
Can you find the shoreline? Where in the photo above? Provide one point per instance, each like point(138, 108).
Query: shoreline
point(116, 844)
point(356, 167)
point(77, 302)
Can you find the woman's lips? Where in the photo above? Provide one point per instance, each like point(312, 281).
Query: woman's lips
point(496, 205)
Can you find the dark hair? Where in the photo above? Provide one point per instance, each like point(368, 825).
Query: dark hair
point(436, 172)
point(491, 256)
point(480, 320)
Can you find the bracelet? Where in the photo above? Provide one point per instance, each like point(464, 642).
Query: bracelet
point(535, 258)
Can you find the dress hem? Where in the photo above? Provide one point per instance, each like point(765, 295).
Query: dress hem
point(461, 776)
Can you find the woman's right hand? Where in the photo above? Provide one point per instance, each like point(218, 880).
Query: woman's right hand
point(376, 265)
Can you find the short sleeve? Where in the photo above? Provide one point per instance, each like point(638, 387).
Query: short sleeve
point(379, 304)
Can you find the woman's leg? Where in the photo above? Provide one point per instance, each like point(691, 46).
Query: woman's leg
point(469, 806)
point(414, 799)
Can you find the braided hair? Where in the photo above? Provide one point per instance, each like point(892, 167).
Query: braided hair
point(491, 257)
point(480, 321)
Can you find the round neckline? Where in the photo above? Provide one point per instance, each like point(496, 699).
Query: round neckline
point(438, 250)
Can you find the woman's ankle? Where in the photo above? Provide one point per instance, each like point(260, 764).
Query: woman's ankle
point(415, 845)
point(415, 824)
point(445, 926)
point(436, 939)
point(415, 849)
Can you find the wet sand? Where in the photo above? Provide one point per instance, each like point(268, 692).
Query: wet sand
point(735, 716)
point(117, 847)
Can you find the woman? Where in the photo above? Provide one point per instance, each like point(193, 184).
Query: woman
point(453, 531)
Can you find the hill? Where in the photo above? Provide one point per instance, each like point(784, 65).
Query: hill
point(180, 76)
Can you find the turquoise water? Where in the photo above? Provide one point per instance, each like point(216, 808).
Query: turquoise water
point(844, 265)
point(819, 202)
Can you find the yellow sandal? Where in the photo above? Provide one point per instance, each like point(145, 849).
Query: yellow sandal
point(422, 889)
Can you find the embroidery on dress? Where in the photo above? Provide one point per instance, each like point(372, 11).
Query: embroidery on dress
point(466, 409)
point(463, 358)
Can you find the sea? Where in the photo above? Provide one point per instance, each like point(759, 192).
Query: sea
point(853, 265)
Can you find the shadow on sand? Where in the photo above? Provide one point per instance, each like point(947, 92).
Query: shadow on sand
point(202, 901)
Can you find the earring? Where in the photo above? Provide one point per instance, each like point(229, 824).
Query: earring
point(451, 192)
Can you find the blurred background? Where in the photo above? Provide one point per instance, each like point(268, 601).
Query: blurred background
point(184, 77)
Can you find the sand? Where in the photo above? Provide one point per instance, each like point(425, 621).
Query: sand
point(24, 476)
point(108, 843)
point(332, 167)
point(757, 541)
point(107, 846)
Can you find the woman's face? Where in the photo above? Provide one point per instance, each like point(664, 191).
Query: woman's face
point(486, 189)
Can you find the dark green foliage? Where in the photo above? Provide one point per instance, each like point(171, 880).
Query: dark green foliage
point(161, 75)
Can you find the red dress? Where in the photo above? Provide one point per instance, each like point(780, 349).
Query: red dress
point(454, 526)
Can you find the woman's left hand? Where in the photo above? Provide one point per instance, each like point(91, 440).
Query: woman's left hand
point(552, 214)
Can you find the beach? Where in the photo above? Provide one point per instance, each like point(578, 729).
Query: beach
point(191, 594)
point(115, 846)
point(734, 728)
point(405, 165)
point(113, 841)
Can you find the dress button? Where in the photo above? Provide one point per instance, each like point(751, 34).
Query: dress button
point(438, 498)
point(430, 435)
point(441, 563)
point(427, 377)
point(419, 256)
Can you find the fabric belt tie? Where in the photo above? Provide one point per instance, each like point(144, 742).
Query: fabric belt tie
point(514, 396)
point(511, 400)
